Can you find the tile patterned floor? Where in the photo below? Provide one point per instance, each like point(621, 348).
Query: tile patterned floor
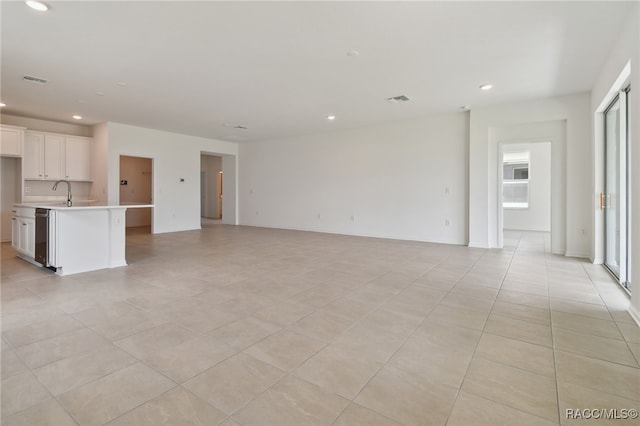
point(249, 326)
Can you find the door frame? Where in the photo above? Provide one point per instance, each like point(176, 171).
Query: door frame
point(553, 178)
point(153, 180)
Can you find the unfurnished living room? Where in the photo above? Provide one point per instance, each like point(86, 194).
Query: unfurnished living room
point(320, 213)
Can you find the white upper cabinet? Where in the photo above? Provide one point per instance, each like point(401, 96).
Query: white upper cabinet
point(78, 158)
point(33, 158)
point(50, 156)
point(54, 157)
point(11, 139)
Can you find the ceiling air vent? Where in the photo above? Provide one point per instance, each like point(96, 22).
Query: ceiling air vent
point(35, 79)
point(398, 99)
point(241, 127)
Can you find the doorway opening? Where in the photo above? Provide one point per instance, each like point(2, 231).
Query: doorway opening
point(525, 201)
point(211, 189)
point(136, 187)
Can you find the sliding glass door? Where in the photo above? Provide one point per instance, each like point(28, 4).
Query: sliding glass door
point(615, 196)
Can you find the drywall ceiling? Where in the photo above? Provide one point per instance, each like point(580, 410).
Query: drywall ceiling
point(280, 68)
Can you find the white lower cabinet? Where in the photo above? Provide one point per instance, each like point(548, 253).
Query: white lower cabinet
point(15, 232)
point(23, 231)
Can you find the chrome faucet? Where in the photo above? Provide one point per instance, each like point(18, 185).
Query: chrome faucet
point(55, 186)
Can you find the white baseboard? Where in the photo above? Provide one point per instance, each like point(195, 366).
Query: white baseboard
point(572, 254)
point(476, 245)
point(635, 314)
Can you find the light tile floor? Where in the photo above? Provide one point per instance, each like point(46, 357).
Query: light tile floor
point(250, 326)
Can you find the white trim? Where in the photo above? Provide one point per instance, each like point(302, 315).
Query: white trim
point(623, 193)
point(621, 82)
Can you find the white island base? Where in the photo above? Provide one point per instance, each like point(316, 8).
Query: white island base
point(83, 239)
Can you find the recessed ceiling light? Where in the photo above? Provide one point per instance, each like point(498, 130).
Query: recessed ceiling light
point(99, 93)
point(331, 117)
point(77, 117)
point(37, 5)
point(353, 53)
point(2, 104)
point(122, 84)
point(486, 87)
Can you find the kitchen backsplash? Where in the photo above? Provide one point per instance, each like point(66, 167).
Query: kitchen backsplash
point(39, 188)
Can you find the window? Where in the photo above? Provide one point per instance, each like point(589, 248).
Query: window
point(515, 180)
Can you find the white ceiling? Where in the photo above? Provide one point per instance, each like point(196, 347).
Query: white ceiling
point(280, 68)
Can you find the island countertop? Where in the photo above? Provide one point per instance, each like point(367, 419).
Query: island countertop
point(83, 205)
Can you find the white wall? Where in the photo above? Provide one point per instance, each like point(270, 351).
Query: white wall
point(99, 163)
point(483, 166)
point(626, 51)
point(537, 217)
point(175, 157)
point(391, 178)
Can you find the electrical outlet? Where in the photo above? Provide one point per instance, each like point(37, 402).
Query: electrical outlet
point(318, 215)
point(353, 218)
point(27, 189)
point(447, 222)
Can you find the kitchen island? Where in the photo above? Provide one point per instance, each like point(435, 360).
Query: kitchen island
point(80, 238)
